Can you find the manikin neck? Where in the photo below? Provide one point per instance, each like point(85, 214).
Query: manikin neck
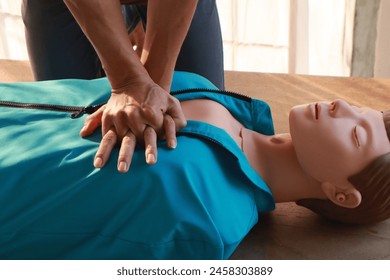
point(274, 158)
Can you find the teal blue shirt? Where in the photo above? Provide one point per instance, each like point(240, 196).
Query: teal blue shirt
point(198, 202)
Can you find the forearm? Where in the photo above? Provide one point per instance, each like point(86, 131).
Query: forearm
point(167, 27)
point(102, 22)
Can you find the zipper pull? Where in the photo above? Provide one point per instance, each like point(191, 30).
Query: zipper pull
point(85, 110)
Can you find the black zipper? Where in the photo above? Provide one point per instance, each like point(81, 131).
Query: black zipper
point(221, 91)
point(78, 111)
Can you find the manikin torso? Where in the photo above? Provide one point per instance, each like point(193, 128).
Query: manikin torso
point(256, 147)
point(214, 113)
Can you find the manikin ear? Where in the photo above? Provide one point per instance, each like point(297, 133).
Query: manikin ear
point(348, 197)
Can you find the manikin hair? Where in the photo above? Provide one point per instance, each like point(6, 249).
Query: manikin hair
point(373, 182)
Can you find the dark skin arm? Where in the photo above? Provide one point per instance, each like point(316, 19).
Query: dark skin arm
point(140, 106)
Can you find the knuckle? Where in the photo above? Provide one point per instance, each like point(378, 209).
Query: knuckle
point(130, 115)
point(149, 132)
point(89, 119)
point(107, 114)
point(128, 112)
point(148, 112)
point(168, 121)
point(175, 101)
point(109, 138)
point(128, 140)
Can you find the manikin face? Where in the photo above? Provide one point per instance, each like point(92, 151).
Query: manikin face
point(334, 140)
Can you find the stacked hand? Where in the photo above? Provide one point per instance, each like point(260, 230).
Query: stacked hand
point(136, 113)
point(139, 109)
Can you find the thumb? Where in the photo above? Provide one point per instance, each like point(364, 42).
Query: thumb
point(92, 122)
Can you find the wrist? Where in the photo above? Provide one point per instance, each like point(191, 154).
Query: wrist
point(126, 72)
point(133, 84)
point(160, 74)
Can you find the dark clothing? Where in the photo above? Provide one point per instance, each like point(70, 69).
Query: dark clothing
point(58, 49)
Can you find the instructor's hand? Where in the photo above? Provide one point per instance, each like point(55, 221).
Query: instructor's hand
point(136, 113)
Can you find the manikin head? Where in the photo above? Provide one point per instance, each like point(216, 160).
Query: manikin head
point(347, 150)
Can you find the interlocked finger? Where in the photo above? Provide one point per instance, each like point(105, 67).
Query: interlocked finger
point(106, 145)
point(170, 131)
point(150, 139)
point(126, 152)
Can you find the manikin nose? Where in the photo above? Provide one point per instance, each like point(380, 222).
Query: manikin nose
point(341, 107)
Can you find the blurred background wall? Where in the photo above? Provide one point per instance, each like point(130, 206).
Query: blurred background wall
point(12, 42)
point(317, 37)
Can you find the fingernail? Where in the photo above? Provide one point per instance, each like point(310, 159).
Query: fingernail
point(98, 162)
point(122, 166)
point(172, 144)
point(83, 129)
point(150, 159)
